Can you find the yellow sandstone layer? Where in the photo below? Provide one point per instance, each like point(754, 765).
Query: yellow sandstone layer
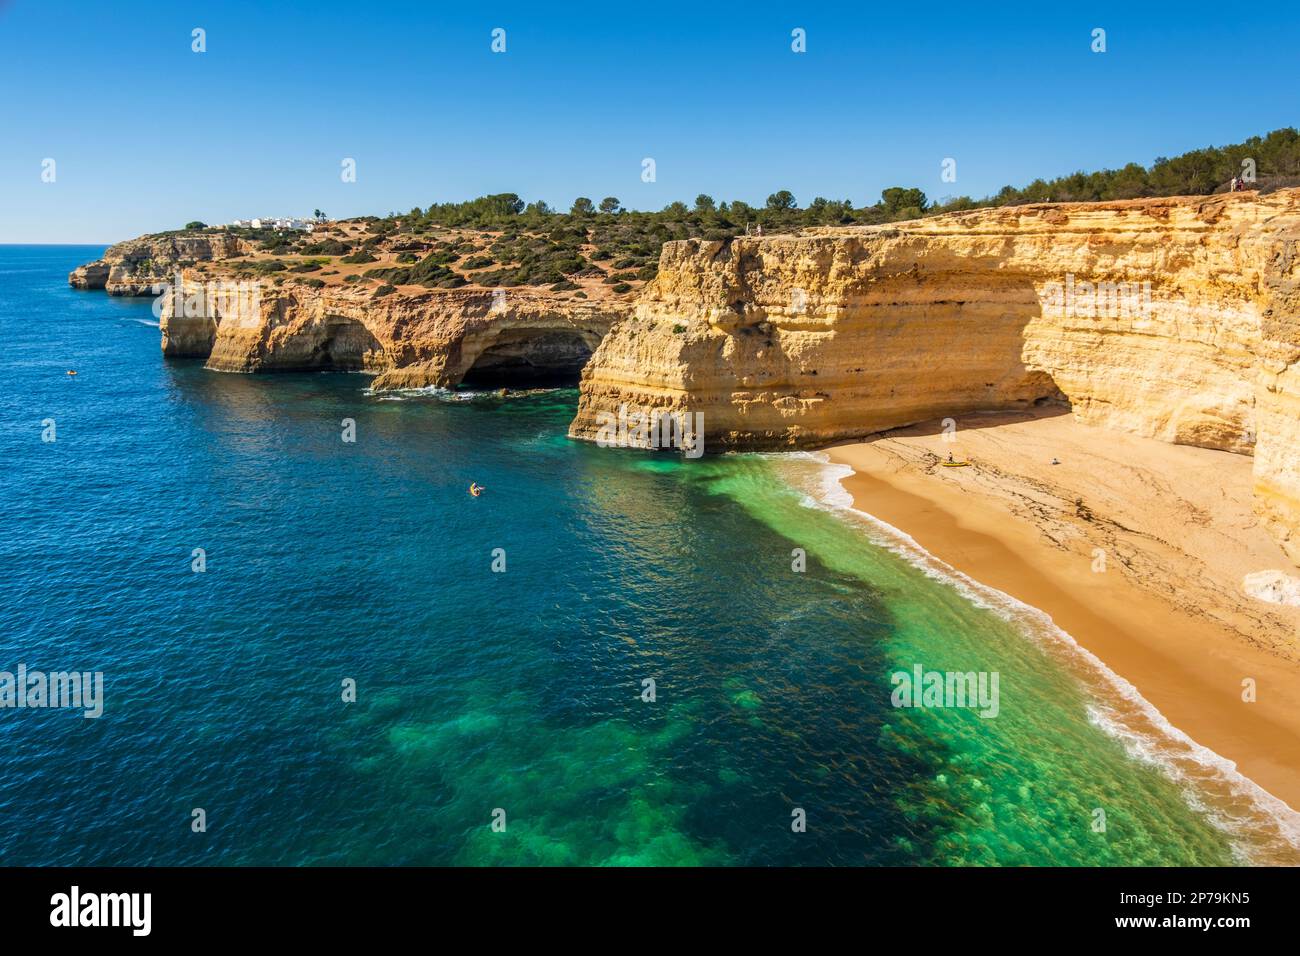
point(135, 267)
point(1174, 319)
point(410, 338)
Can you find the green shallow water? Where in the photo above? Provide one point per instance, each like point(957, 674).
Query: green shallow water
point(520, 691)
point(1026, 786)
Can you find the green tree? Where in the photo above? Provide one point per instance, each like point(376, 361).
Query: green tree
point(610, 205)
point(196, 225)
point(704, 203)
point(897, 200)
point(481, 211)
point(781, 199)
point(582, 206)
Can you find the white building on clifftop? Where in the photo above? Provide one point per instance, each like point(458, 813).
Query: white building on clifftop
point(273, 222)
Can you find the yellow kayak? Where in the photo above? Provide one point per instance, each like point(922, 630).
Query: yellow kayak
point(954, 464)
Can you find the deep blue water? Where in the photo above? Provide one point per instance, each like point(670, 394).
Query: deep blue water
point(479, 690)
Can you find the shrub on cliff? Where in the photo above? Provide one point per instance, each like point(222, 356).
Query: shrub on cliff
point(533, 244)
point(329, 247)
point(391, 274)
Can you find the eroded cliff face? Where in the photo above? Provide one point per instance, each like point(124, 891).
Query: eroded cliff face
point(1277, 399)
point(411, 339)
point(1171, 318)
point(134, 267)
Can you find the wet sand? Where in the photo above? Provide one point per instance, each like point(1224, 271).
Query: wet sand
point(1135, 547)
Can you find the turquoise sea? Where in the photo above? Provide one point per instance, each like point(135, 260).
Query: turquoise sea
point(520, 691)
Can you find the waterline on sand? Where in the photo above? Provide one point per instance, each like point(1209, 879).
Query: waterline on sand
point(1262, 827)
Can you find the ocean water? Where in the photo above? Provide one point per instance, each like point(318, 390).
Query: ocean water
point(516, 693)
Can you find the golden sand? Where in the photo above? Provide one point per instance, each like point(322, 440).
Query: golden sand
point(1135, 547)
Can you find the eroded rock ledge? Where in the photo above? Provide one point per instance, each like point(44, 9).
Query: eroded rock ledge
point(411, 339)
point(1171, 318)
point(241, 307)
point(134, 267)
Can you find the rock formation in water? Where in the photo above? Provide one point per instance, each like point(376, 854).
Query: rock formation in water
point(268, 300)
point(135, 267)
point(410, 338)
point(1171, 318)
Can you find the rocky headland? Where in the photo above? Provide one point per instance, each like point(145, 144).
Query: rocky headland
point(1066, 349)
point(1171, 318)
point(135, 267)
point(409, 338)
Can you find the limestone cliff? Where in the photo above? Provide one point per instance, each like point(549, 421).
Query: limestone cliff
point(1171, 318)
point(411, 338)
point(134, 267)
point(1277, 398)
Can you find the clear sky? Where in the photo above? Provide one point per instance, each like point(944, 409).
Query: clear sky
point(147, 134)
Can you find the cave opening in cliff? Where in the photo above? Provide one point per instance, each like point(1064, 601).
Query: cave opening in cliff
point(530, 358)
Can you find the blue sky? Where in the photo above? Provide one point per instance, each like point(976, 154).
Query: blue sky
point(147, 134)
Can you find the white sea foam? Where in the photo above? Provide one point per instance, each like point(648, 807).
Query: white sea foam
point(427, 392)
point(440, 394)
point(1118, 707)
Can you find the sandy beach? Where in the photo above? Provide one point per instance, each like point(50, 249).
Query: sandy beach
point(1135, 547)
